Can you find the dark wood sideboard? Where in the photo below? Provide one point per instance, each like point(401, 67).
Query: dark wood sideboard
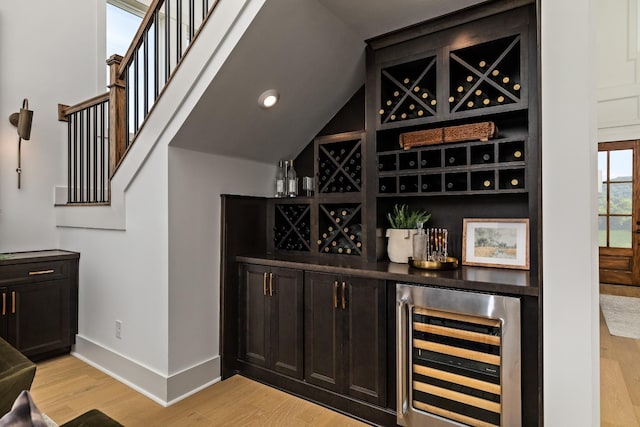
point(39, 301)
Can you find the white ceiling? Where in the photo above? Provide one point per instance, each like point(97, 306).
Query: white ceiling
point(312, 52)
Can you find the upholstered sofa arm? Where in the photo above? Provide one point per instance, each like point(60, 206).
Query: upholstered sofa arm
point(16, 374)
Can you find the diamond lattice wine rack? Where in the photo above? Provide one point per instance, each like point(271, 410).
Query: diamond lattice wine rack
point(292, 227)
point(485, 75)
point(408, 91)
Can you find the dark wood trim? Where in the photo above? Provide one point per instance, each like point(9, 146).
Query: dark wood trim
point(444, 22)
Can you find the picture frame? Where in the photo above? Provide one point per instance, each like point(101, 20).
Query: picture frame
point(496, 242)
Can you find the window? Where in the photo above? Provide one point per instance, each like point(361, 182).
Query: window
point(615, 198)
point(123, 19)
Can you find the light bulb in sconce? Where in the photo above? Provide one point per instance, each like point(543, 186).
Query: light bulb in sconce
point(268, 98)
point(22, 120)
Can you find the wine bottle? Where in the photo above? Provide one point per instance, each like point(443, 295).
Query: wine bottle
point(500, 99)
point(470, 104)
point(486, 157)
point(451, 99)
point(406, 81)
point(517, 154)
point(392, 117)
point(396, 94)
point(515, 182)
point(505, 79)
point(420, 113)
point(412, 107)
point(482, 64)
point(280, 180)
point(292, 181)
point(516, 87)
point(416, 89)
point(403, 116)
point(423, 162)
point(486, 183)
point(495, 72)
point(381, 111)
point(469, 79)
point(434, 102)
point(425, 95)
point(412, 163)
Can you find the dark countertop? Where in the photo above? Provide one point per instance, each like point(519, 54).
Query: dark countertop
point(37, 256)
point(484, 279)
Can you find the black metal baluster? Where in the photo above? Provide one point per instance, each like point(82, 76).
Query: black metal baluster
point(192, 19)
point(69, 124)
point(102, 151)
point(127, 106)
point(95, 153)
point(88, 158)
point(156, 59)
point(167, 40)
point(145, 74)
point(81, 157)
point(178, 30)
point(136, 89)
point(75, 157)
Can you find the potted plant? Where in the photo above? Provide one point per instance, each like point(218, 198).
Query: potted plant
point(404, 224)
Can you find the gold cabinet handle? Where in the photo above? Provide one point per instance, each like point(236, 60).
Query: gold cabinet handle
point(335, 294)
point(4, 303)
point(270, 284)
point(36, 273)
point(264, 284)
point(13, 302)
point(344, 300)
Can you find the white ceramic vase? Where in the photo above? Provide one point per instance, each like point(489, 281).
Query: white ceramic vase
point(400, 244)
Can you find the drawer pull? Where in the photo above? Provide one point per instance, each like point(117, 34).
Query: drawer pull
point(344, 300)
point(4, 303)
point(36, 273)
point(335, 294)
point(13, 302)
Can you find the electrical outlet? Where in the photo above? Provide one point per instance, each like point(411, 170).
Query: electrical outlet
point(119, 329)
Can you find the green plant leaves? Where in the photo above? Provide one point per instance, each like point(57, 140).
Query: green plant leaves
point(402, 218)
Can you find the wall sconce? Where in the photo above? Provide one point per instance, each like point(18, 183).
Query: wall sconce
point(22, 121)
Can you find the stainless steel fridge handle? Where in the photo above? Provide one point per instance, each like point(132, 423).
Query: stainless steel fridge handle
point(401, 354)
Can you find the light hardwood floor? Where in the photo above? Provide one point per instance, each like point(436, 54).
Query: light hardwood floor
point(66, 387)
point(619, 371)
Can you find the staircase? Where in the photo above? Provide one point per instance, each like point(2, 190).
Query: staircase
point(101, 130)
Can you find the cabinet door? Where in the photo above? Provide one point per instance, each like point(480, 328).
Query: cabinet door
point(254, 309)
point(285, 344)
point(39, 320)
point(322, 331)
point(365, 340)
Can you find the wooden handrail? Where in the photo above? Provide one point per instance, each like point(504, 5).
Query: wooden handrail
point(64, 111)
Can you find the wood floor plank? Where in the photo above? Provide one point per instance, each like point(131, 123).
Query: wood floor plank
point(66, 387)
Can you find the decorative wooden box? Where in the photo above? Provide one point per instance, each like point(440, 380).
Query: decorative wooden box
point(483, 131)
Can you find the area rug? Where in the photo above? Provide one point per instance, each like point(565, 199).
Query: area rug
point(622, 315)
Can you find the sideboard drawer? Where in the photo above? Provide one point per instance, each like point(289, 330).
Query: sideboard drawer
point(47, 270)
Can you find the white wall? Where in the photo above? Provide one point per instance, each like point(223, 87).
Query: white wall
point(618, 65)
point(196, 181)
point(570, 276)
point(123, 275)
point(47, 55)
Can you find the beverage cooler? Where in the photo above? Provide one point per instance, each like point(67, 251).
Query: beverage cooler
point(458, 356)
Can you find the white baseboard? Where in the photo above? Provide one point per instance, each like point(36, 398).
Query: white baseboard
point(162, 389)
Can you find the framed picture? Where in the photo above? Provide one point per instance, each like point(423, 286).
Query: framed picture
point(496, 242)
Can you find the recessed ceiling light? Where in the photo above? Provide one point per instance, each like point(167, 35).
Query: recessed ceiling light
point(268, 98)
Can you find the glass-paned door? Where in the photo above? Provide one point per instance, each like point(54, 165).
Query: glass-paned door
point(617, 220)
